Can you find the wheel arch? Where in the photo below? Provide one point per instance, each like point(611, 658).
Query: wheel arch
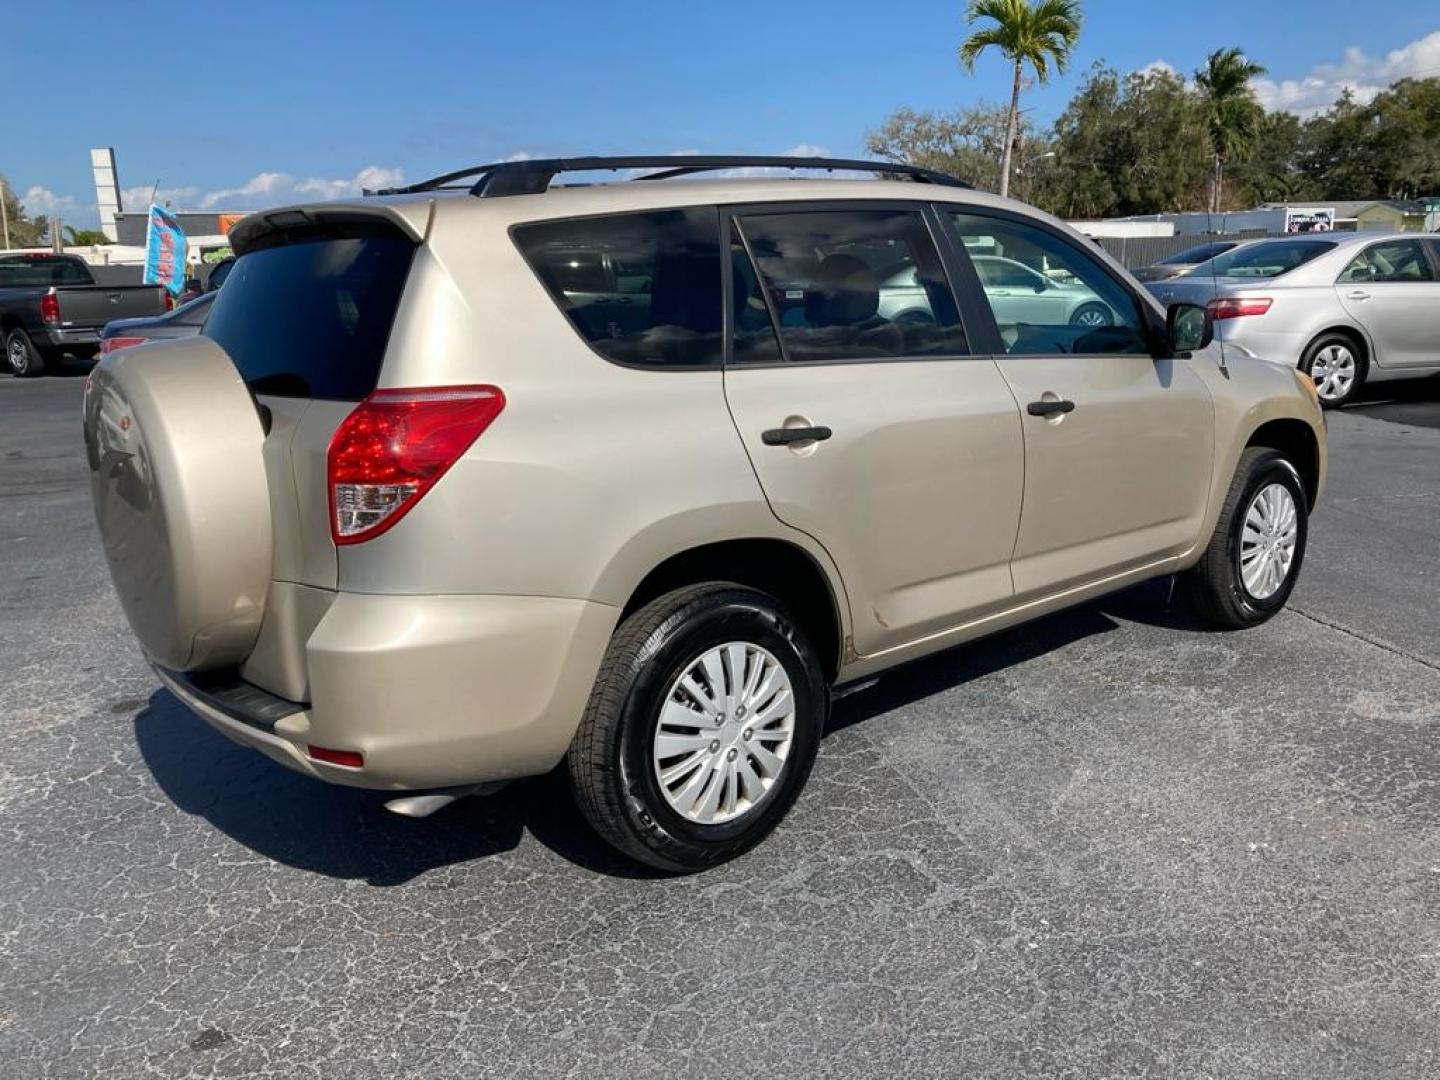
point(1296, 440)
point(1352, 331)
point(780, 568)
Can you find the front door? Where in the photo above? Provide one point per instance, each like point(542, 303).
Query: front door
point(1119, 446)
point(869, 424)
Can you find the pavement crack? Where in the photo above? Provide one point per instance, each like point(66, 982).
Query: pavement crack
point(1379, 643)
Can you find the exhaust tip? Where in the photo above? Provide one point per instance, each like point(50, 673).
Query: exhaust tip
point(423, 804)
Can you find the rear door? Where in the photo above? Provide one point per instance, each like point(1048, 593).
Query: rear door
point(870, 423)
point(1118, 445)
point(1391, 289)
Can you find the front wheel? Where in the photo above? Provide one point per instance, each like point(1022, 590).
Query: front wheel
point(702, 728)
point(1254, 557)
point(22, 359)
point(1336, 367)
point(1091, 315)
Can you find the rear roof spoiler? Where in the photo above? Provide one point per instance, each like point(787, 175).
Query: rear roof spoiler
point(289, 224)
point(532, 177)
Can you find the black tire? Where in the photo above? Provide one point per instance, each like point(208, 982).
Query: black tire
point(1079, 315)
point(1350, 345)
point(1215, 587)
point(22, 359)
point(611, 768)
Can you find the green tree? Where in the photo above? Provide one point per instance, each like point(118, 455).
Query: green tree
point(1232, 112)
point(1040, 35)
point(965, 143)
point(84, 237)
point(24, 230)
point(1271, 172)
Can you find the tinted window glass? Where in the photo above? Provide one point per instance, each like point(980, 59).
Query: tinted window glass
point(43, 271)
point(755, 341)
point(1047, 295)
point(1265, 259)
point(853, 284)
point(641, 288)
point(1197, 254)
point(1396, 260)
point(194, 313)
point(312, 319)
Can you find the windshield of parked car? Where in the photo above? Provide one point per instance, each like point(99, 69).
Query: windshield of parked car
point(1196, 254)
point(1265, 260)
point(32, 270)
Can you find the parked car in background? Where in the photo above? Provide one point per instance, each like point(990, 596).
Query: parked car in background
point(416, 513)
point(185, 321)
point(1020, 294)
point(1182, 262)
point(51, 305)
point(1345, 308)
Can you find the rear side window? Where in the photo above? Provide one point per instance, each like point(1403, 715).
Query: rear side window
point(848, 285)
point(312, 319)
point(640, 288)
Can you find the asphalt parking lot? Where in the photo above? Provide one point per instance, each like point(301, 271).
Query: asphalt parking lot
point(1107, 845)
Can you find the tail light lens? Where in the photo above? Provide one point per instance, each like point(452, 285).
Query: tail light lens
point(50, 309)
point(109, 345)
point(350, 759)
point(394, 447)
point(168, 299)
point(1235, 307)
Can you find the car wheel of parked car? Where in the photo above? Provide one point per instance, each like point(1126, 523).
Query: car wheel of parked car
point(1337, 368)
point(21, 356)
point(1250, 565)
point(702, 727)
point(1091, 314)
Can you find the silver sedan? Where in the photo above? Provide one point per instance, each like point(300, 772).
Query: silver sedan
point(1346, 308)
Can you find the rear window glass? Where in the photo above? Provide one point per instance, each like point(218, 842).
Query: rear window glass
point(18, 273)
point(1264, 260)
point(1197, 254)
point(312, 319)
point(640, 288)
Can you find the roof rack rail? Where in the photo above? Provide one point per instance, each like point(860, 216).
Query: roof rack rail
point(533, 176)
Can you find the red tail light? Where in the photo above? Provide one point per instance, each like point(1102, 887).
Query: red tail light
point(168, 298)
point(50, 309)
point(394, 447)
point(110, 344)
point(1235, 307)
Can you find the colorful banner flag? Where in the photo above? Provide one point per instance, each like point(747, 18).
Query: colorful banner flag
point(164, 251)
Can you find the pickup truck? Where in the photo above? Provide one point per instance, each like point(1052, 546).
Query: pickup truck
point(50, 304)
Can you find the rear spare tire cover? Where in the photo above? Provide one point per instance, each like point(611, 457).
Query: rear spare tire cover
point(174, 443)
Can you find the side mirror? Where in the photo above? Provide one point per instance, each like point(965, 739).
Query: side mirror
point(1043, 285)
point(1188, 327)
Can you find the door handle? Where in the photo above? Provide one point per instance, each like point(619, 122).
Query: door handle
point(1358, 294)
point(784, 436)
point(1050, 407)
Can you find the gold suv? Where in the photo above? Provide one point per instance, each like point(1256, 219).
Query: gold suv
point(476, 477)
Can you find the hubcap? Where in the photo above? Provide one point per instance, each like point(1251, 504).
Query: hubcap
point(1333, 371)
point(1267, 541)
point(725, 732)
point(1092, 317)
point(18, 360)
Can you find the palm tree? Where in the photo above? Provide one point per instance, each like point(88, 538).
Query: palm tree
point(1038, 34)
point(1232, 112)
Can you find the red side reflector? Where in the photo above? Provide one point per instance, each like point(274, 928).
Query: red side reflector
point(351, 759)
point(393, 448)
point(109, 345)
point(1235, 307)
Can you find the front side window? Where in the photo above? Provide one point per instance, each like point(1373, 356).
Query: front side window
point(1395, 260)
point(640, 288)
point(1048, 297)
point(845, 285)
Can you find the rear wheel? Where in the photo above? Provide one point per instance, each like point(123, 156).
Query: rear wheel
point(1254, 557)
point(702, 727)
point(1337, 368)
point(22, 359)
point(1092, 315)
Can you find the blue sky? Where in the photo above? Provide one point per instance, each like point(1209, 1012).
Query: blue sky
point(239, 105)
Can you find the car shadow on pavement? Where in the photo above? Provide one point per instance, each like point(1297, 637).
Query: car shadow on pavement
point(347, 833)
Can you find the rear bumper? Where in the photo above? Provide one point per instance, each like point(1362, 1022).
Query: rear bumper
point(434, 691)
point(76, 337)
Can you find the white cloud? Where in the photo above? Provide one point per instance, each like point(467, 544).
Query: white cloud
point(805, 149)
point(41, 200)
point(1158, 67)
point(138, 199)
point(274, 188)
point(1363, 75)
